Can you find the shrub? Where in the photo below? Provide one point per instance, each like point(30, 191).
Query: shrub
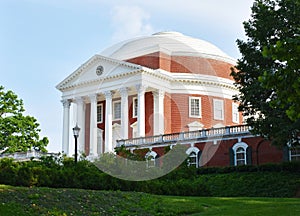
point(271, 180)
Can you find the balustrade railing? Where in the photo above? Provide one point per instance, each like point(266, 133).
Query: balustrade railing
point(21, 156)
point(185, 136)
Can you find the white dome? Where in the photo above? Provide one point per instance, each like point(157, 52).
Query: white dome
point(171, 43)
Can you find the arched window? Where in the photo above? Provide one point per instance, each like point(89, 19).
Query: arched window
point(241, 154)
point(150, 159)
point(194, 156)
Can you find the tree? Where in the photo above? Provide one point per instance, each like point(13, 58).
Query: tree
point(17, 131)
point(268, 73)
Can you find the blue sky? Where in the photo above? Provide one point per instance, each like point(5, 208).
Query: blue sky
point(43, 41)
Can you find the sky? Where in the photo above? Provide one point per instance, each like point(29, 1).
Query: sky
point(43, 41)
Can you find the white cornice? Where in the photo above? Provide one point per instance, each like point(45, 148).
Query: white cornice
point(185, 78)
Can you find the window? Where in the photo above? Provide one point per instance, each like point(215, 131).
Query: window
point(195, 107)
point(241, 154)
point(295, 154)
point(150, 159)
point(218, 109)
point(100, 113)
point(235, 113)
point(116, 110)
point(192, 161)
point(194, 157)
point(135, 107)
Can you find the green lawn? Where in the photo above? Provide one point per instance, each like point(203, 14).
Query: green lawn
point(46, 201)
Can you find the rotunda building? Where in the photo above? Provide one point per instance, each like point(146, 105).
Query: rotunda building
point(159, 84)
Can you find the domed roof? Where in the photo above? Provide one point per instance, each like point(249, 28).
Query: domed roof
point(171, 43)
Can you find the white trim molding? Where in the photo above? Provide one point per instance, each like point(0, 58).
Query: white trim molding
point(237, 150)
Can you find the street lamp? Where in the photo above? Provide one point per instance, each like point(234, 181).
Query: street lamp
point(76, 130)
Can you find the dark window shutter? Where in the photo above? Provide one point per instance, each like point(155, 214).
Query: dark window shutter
point(286, 153)
point(231, 157)
point(249, 155)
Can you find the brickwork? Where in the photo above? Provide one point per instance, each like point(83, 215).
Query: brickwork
point(168, 113)
point(184, 64)
point(217, 153)
point(180, 112)
point(149, 106)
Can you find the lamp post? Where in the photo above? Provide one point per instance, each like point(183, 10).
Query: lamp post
point(76, 130)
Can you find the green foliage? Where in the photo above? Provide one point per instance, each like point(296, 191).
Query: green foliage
point(138, 155)
point(271, 180)
point(17, 131)
point(62, 202)
point(268, 75)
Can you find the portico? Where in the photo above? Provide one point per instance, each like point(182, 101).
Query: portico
point(98, 137)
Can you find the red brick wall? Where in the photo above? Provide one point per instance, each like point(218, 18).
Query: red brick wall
point(167, 113)
point(149, 114)
point(218, 154)
point(184, 64)
point(150, 60)
point(131, 120)
point(266, 153)
point(130, 113)
point(180, 112)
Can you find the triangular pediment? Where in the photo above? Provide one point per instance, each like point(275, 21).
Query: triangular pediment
point(195, 125)
point(96, 69)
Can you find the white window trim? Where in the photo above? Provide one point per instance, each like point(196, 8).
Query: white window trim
point(134, 129)
point(190, 107)
point(151, 162)
point(196, 151)
point(214, 103)
point(295, 155)
point(100, 105)
point(235, 112)
point(235, 147)
point(114, 102)
point(133, 107)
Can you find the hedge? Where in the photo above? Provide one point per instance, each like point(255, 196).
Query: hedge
point(269, 180)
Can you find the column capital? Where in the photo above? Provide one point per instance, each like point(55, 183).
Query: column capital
point(158, 93)
point(79, 100)
point(66, 103)
point(141, 88)
point(93, 97)
point(123, 91)
point(108, 95)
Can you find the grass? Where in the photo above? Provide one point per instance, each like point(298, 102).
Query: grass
point(46, 201)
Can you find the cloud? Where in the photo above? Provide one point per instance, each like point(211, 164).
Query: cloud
point(130, 21)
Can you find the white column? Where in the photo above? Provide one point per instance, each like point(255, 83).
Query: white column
point(159, 112)
point(108, 122)
point(93, 126)
point(124, 113)
point(80, 123)
point(141, 110)
point(66, 126)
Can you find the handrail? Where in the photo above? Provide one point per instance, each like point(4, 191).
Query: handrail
point(185, 136)
point(25, 155)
